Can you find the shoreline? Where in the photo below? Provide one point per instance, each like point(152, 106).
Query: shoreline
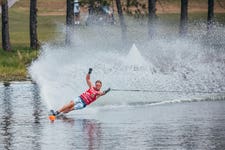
point(13, 64)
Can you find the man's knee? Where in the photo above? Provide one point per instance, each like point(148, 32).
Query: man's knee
point(71, 103)
point(72, 108)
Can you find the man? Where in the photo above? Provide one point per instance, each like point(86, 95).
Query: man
point(77, 12)
point(89, 96)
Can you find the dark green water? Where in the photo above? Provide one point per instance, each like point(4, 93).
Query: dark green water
point(24, 124)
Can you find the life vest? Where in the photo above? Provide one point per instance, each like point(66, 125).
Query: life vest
point(90, 95)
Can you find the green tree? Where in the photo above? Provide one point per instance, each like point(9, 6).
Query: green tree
point(5, 26)
point(210, 13)
point(69, 13)
point(122, 20)
point(69, 19)
point(33, 24)
point(184, 17)
point(151, 17)
point(128, 4)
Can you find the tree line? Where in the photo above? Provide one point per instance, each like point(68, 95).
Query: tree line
point(34, 44)
point(6, 45)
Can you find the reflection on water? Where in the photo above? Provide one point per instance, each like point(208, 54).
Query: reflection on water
point(93, 133)
point(37, 110)
point(36, 103)
point(89, 129)
point(24, 124)
point(6, 119)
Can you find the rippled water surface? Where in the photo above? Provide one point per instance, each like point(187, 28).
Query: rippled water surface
point(24, 124)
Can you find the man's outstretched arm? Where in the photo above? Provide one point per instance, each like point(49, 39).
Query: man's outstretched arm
point(88, 78)
point(105, 92)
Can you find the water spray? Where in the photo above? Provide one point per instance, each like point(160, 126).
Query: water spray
point(167, 66)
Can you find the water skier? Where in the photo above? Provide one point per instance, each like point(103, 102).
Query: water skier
point(86, 98)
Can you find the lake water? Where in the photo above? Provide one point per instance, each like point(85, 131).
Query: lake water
point(24, 124)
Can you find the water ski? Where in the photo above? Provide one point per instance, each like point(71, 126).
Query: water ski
point(53, 116)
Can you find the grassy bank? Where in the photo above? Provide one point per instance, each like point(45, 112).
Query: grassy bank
point(13, 64)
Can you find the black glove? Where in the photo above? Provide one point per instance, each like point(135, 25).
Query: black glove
point(106, 91)
point(90, 70)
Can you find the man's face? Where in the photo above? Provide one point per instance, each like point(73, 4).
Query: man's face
point(98, 86)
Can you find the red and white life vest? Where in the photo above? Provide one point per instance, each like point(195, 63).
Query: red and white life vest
point(90, 95)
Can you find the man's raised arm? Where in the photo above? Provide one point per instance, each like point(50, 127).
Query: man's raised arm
point(88, 78)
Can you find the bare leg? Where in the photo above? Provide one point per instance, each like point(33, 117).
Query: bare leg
point(68, 110)
point(67, 107)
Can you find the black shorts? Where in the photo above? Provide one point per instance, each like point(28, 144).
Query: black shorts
point(76, 14)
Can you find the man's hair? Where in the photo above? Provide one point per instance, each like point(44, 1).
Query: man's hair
point(98, 81)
